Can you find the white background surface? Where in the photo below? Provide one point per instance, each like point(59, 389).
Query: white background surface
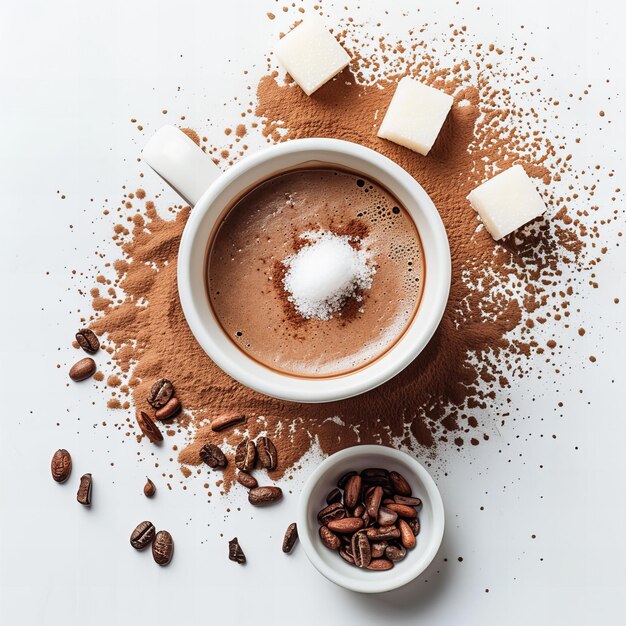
point(72, 75)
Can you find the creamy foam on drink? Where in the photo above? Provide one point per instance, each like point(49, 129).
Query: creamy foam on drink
point(258, 245)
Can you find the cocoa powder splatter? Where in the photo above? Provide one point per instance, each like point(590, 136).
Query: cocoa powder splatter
point(501, 293)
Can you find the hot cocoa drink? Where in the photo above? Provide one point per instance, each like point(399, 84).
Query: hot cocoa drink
point(316, 272)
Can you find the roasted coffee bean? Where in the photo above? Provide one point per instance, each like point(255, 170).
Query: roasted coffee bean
point(399, 484)
point(406, 535)
point(359, 509)
point(87, 340)
point(235, 553)
point(407, 500)
point(329, 539)
point(380, 481)
point(163, 548)
point(84, 490)
point(260, 496)
point(266, 453)
point(378, 549)
point(387, 501)
point(245, 455)
point(346, 525)
point(162, 390)
point(61, 465)
point(373, 499)
point(374, 472)
point(346, 557)
point(225, 421)
point(395, 553)
point(387, 491)
point(148, 427)
point(290, 538)
point(83, 369)
point(248, 481)
point(143, 535)
point(333, 496)
point(402, 510)
point(352, 492)
point(212, 455)
point(149, 489)
point(386, 517)
point(331, 512)
point(366, 519)
point(380, 564)
point(414, 524)
point(383, 534)
point(169, 410)
point(361, 550)
point(341, 483)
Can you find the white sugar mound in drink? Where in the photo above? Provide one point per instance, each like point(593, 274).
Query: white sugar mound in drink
point(324, 273)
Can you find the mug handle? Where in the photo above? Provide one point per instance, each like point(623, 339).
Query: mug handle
point(180, 162)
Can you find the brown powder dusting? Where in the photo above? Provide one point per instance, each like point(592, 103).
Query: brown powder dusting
point(501, 293)
point(192, 134)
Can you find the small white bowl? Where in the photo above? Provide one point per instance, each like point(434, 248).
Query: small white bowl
point(313, 499)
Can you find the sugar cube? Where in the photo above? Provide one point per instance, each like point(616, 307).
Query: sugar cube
point(507, 201)
point(415, 115)
point(311, 54)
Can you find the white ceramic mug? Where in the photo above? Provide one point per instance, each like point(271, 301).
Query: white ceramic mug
point(192, 173)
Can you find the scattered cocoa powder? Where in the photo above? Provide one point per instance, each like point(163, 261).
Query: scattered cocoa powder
point(502, 294)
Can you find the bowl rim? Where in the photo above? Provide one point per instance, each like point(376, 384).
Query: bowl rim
point(241, 367)
point(386, 583)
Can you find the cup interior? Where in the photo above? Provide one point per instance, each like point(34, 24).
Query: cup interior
point(206, 218)
point(313, 499)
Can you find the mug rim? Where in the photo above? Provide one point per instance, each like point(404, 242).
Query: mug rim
point(209, 333)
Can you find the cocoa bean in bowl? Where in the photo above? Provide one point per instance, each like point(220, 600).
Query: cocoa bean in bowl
point(360, 540)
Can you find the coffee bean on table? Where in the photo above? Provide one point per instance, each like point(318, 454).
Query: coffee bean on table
point(163, 548)
point(406, 534)
point(212, 455)
point(149, 489)
point(245, 455)
point(235, 553)
point(395, 553)
point(226, 421)
point(148, 427)
point(61, 465)
point(399, 484)
point(248, 481)
point(352, 492)
point(329, 539)
point(260, 496)
point(290, 538)
point(143, 535)
point(341, 483)
point(172, 407)
point(380, 564)
point(83, 369)
point(407, 500)
point(333, 496)
point(346, 525)
point(361, 550)
point(266, 453)
point(84, 490)
point(162, 390)
point(373, 501)
point(331, 512)
point(87, 340)
point(386, 517)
